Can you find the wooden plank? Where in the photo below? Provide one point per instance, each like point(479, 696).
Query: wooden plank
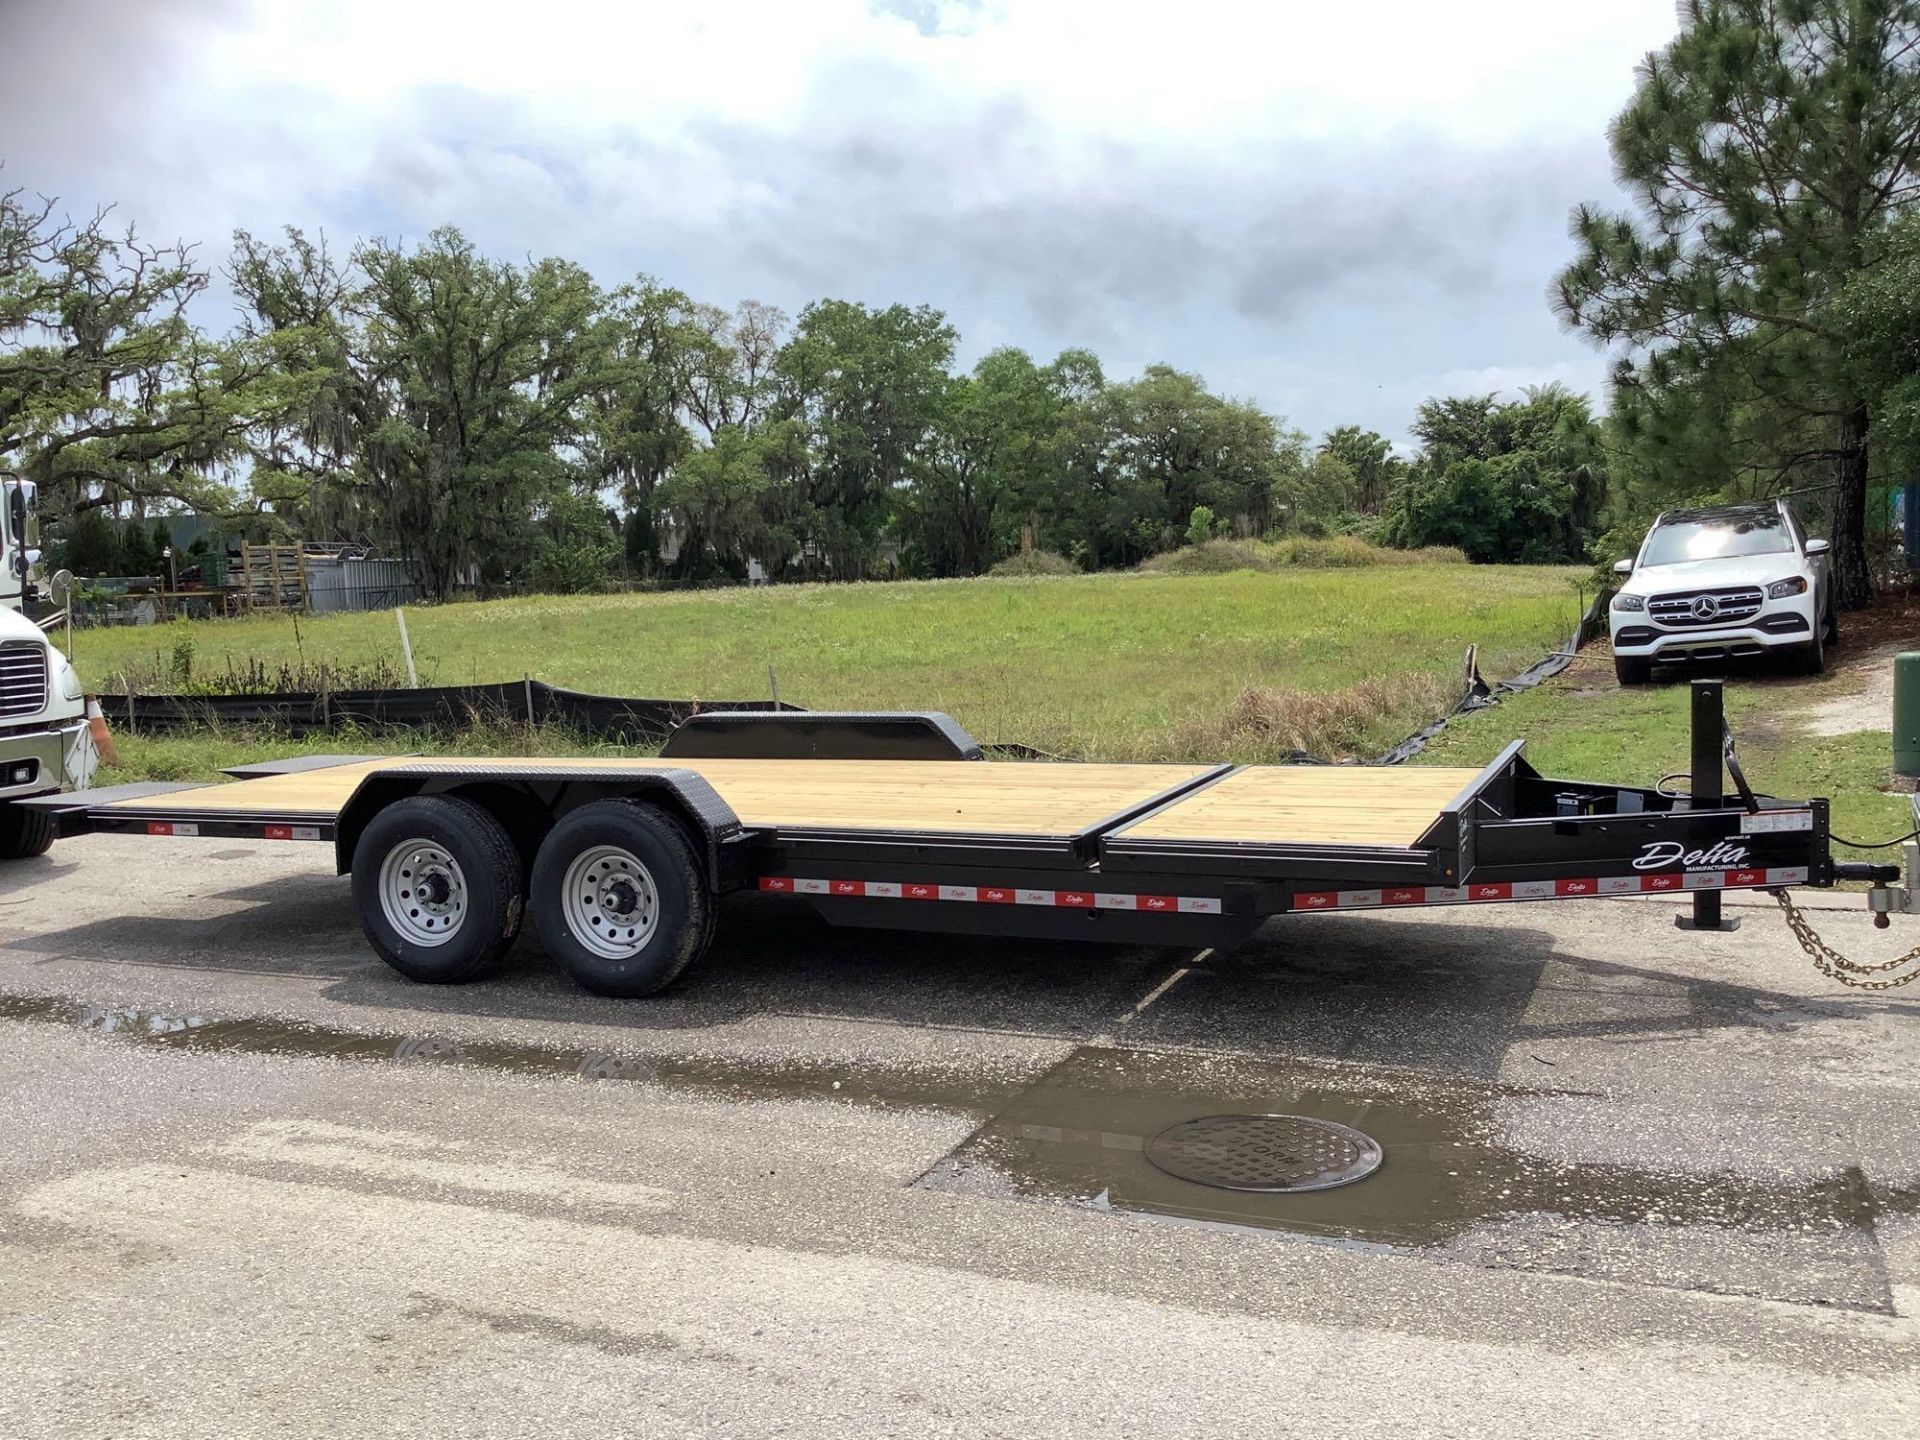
point(1300, 804)
point(1310, 805)
point(1040, 798)
point(316, 793)
point(1029, 798)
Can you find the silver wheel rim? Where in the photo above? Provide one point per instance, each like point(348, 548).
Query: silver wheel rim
point(423, 893)
point(610, 901)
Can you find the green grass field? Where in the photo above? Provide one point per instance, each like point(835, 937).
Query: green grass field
point(1124, 667)
point(1237, 666)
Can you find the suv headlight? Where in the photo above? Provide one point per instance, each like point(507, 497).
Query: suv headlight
point(1780, 589)
point(1629, 602)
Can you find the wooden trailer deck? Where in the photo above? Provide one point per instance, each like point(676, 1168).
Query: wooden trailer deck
point(1387, 806)
point(1298, 804)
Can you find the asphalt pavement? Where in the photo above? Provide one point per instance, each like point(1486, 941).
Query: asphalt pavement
point(1634, 1180)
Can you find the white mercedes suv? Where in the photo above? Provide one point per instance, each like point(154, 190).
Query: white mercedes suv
point(1720, 583)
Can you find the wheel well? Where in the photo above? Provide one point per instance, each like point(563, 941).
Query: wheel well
point(662, 797)
point(520, 813)
point(528, 808)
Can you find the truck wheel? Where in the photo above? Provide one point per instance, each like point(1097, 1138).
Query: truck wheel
point(620, 899)
point(1632, 670)
point(438, 885)
point(24, 833)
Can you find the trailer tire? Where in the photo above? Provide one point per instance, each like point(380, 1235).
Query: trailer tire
point(458, 929)
point(620, 898)
point(24, 833)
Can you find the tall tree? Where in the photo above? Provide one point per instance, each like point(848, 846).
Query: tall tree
point(992, 446)
point(1765, 147)
point(714, 498)
point(1881, 311)
point(1516, 481)
point(308, 305)
point(481, 370)
point(1169, 444)
point(108, 395)
point(1369, 458)
point(634, 433)
point(858, 391)
point(1455, 427)
point(727, 371)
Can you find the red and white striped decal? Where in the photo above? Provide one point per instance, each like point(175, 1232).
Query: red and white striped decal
point(992, 895)
point(267, 832)
point(1548, 889)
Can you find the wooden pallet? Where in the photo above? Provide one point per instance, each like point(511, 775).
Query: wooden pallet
point(274, 578)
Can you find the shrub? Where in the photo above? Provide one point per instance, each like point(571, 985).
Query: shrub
point(1035, 562)
point(1268, 724)
point(1221, 557)
point(1201, 526)
point(1214, 557)
point(1339, 553)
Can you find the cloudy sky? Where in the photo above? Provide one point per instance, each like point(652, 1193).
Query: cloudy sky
point(1335, 210)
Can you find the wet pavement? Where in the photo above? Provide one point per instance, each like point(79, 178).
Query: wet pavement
point(1447, 1184)
point(255, 1183)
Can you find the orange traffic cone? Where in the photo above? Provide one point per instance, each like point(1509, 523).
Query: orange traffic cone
point(102, 737)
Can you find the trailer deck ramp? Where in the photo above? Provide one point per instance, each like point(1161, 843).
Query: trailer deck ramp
point(1375, 806)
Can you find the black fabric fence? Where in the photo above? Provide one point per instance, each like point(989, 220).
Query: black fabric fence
point(442, 709)
point(1479, 695)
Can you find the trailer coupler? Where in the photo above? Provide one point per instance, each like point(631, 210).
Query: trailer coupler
point(1895, 889)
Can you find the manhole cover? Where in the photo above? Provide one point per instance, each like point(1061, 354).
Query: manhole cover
point(1264, 1152)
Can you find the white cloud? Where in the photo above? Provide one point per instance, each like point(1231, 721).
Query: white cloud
point(1368, 197)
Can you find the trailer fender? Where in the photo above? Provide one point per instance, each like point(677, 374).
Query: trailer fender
point(529, 799)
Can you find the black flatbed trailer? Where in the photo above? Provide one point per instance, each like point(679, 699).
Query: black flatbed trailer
point(895, 821)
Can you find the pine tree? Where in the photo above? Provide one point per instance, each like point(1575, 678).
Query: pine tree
point(1766, 147)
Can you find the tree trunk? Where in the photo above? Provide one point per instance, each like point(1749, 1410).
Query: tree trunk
point(1852, 581)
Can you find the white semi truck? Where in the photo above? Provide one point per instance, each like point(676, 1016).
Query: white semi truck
point(46, 743)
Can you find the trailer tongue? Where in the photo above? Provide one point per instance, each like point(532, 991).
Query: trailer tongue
point(619, 861)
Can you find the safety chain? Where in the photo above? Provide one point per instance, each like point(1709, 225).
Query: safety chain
point(1832, 963)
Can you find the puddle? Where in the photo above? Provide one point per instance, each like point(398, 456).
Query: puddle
point(1447, 1185)
point(882, 1086)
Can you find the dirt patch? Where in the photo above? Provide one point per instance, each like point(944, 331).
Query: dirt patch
point(1867, 703)
point(1858, 693)
point(1892, 620)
